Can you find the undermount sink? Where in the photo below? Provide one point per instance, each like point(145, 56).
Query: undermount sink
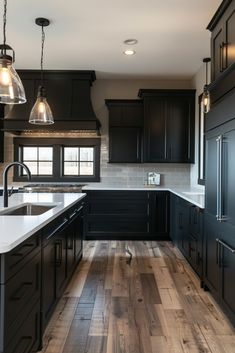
point(28, 209)
point(196, 193)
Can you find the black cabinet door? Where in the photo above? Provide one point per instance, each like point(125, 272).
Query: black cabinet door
point(168, 125)
point(79, 228)
point(70, 247)
point(227, 266)
point(217, 52)
point(212, 165)
point(155, 130)
point(229, 41)
point(125, 130)
point(159, 214)
point(211, 254)
point(228, 176)
point(48, 280)
point(60, 261)
point(125, 145)
point(180, 129)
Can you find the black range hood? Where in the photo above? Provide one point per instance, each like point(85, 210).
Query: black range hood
point(68, 94)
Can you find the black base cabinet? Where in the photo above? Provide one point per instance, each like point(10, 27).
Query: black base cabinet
point(61, 250)
point(33, 277)
point(136, 215)
point(187, 231)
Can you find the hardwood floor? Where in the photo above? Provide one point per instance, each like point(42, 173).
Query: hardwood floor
point(148, 303)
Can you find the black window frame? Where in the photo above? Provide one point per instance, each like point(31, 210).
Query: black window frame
point(57, 144)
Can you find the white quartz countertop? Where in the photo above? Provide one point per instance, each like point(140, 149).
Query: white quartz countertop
point(191, 194)
point(15, 229)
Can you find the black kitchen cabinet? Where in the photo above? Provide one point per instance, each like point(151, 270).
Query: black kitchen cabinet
point(125, 144)
point(125, 130)
point(20, 297)
point(168, 125)
point(32, 278)
point(62, 248)
point(159, 214)
point(222, 38)
point(219, 262)
point(187, 231)
point(222, 51)
point(127, 215)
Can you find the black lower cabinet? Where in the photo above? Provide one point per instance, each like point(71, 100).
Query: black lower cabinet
point(20, 297)
point(62, 248)
point(33, 277)
point(187, 231)
point(136, 215)
point(219, 263)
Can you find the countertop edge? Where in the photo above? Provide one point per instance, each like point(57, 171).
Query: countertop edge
point(8, 248)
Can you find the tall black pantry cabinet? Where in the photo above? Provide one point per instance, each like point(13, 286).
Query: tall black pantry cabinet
point(219, 254)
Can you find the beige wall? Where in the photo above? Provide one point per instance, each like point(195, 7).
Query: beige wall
point(198, 82)
point(125, 174)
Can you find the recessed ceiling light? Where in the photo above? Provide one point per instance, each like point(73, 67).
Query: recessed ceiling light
point(129, 52)
point(130, 41)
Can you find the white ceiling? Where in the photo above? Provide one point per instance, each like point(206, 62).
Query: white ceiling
point(89, 34)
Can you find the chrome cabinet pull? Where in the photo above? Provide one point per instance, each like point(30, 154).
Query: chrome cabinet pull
point(219, 178)
point(226, 246)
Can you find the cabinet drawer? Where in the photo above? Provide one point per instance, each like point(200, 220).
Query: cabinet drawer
point(22, 290)
point(16, 259)
point(118, 225)
point(26, 338)
point(107, 206)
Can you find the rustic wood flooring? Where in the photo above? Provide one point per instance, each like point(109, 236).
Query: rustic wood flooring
point(148, 303)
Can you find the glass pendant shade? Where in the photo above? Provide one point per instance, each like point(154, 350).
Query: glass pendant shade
point(206, 100)
point(11, 87)
point(41, 113)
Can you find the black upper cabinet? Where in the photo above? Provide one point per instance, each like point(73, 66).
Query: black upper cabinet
point(125, 130)
point(223, 38)
point(168, 125)
point(125, 144)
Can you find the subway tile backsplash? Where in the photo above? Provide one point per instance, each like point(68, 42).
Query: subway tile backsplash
point(123, 174)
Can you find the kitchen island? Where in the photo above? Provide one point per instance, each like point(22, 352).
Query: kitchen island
point(38, 256)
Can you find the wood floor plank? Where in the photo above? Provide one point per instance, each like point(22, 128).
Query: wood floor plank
point(149, 287)
point(151, 304)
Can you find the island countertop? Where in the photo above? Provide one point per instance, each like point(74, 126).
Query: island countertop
point(15, 229)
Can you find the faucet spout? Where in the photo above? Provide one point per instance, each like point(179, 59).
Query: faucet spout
point(5, 176)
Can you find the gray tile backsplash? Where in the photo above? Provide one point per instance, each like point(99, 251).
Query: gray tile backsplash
point(124, 174)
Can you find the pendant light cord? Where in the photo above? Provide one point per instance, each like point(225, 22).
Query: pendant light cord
point(42, 54)
point(4, 24)
point(206, 73)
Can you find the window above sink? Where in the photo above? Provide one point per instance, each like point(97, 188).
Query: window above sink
point(58, 159)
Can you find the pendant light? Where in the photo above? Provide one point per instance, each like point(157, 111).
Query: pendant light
point(206, 93)
point(41, 112)
point(11, 87)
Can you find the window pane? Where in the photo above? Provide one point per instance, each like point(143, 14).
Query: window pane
point(29, 153)
point(45, 168)
point(32, 167)
point(45, 153)
point(86, 154)
point(86, 168)
point(71, 153)
point(71, 168)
